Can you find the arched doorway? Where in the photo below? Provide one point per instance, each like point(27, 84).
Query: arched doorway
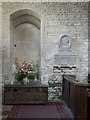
point(25, 38)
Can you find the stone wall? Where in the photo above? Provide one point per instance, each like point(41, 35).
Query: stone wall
point(69, 19)
point(0, 59)
point(89, 38)
point(57, 19)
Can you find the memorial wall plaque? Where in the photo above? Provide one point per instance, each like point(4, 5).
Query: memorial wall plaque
point(65, 42)
point(65, 60)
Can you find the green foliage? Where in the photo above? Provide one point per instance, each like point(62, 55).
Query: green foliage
point(25, 70)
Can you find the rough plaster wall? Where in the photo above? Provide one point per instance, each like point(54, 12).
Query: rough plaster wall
point(45, 0)
point(27, 43)
point(57, 19)
point(0, 60)
point(0, 44)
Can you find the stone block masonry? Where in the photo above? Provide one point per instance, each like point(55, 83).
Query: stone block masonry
point(54, 90)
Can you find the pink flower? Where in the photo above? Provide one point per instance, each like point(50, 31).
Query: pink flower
point(25, 70)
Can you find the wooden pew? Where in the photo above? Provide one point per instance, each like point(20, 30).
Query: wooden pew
point(76, 96)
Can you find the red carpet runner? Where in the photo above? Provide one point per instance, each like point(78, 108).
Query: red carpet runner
point(51, 111)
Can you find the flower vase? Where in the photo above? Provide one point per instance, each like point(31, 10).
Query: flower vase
point(25, 80)
point(35, 79)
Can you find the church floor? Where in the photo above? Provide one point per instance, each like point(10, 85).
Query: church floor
point(53, 111)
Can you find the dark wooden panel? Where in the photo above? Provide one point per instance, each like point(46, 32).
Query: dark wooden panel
point(66, 92)
point(72, 98)
point(35, 95)
point(88, 103)
point(12, 95)
point(25, 94)
point(63, 89)
point(79, 100)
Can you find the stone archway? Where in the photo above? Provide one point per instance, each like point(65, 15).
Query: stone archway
point(25, 38)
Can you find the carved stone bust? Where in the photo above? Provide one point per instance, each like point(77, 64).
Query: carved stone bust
point(65, 42)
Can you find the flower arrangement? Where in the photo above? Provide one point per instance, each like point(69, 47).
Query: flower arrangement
point(25, 70)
